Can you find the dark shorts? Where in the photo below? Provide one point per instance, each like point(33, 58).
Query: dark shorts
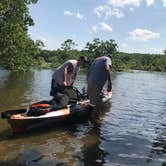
point(56, 88)
point(57, 92)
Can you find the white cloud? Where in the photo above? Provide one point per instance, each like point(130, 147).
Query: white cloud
point(150, 2)
point(156, 50)
point(115, 12)
point(102, 26)
point(68, 13)
point(99, 10)
point(164, 3)
point(94, 29)
point(143, 35)
point(107, 11)
point(131, 9)
point(77, 14)
point(105, 27)
point(122, 3)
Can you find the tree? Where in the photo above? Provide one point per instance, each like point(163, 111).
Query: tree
point(68, 45)
point(99, 47)
point(16, 47)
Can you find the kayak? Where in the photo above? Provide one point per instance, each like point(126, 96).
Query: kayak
point(20, 119)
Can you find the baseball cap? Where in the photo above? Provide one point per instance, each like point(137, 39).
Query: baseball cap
point(109, 55)
point(83, 58)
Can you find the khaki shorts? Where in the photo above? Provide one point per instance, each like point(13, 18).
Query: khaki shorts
point(94, 93)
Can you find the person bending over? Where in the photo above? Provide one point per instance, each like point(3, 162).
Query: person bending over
point(65, 75)
point(99, 72)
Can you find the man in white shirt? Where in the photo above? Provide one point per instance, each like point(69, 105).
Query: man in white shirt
point(66, 74)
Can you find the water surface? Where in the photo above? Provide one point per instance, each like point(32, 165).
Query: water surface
point(129, 131)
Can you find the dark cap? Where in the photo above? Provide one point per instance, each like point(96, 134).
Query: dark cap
point(109, 55)
point(83, 58)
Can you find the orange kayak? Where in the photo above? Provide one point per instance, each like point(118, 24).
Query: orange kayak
point(20, 120)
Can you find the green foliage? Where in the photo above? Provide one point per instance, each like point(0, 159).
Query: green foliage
point(121, 61)
point(150, 62)
point(99, 47)
point(41, 63)
point(68, 45)
point(55, 62)
point(16, 47)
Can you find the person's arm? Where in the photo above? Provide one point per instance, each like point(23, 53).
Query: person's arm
point(65, 76)
point(108, 70)
point(67, 70)
point(76, 71)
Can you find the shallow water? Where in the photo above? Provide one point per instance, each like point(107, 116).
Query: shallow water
point(130, 131)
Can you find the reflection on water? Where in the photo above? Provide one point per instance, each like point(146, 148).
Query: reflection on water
point(131, 131)
point(13, 88)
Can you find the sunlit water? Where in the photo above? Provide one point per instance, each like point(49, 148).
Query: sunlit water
point(130, 131)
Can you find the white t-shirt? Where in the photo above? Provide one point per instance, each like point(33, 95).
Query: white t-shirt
point(58, 74)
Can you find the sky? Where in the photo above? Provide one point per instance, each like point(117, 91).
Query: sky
point(135, 25)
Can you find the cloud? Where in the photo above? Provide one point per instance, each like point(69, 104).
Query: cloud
point(156, 50)
point(68, 13)
point(143, 35)
point(76, 15)
point(164, 3)
point(104, 27)
point(122, 3)
point(117, 13)
point(79, 16)
point(131, 3)
point(94, 29)
point(131, 9)
point(150, 2)
point(99, 10)
point(107, 11)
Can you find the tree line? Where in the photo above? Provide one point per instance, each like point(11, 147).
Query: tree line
point(121, 61)
point(18, 52)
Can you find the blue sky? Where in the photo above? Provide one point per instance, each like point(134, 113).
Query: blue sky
point(135, 25)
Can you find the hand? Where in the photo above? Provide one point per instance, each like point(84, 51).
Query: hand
point(64, 83)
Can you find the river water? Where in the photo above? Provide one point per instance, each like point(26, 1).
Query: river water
point(129, 131)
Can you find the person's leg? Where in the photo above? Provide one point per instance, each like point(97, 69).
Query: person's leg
point(62, 99)
point(54, 88)
point(94, 93)
point(95, 96)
